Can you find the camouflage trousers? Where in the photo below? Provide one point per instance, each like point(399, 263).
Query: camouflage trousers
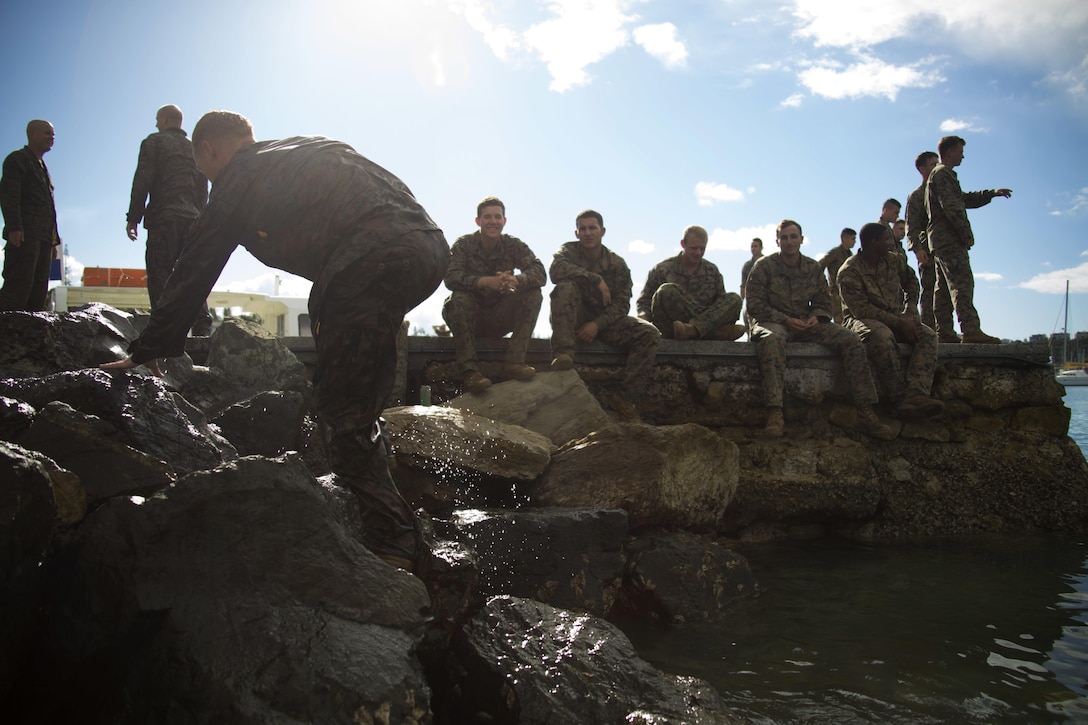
point(638, 338)
point(355, 326)
point(515, 313)
point(934, 307)
point(26, 276)
point(836, 303)
point(165, 241)
point(882, 347)
point(955, 278)
point(770, 340)
point(670, 304)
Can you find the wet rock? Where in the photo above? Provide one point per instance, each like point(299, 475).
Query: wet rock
point(233, 596)
point(268, 424)
point(674, 476)
point(570, 558)
point(522, 661)
point(42, 343)
point(27, 515)
point(556, 405)
point(96, 452)
point(683, 577)
point(139, 406)
point(15, 417)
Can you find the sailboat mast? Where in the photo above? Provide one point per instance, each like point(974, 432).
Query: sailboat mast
point(1065, 328)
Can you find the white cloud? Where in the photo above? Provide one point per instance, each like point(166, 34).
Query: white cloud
point(988, 276)
point(661, 42)
point(291, 285)
point(735, 240)
point(581, 33)
point(707, 193)
point(1074, 80)
point(793, 101)
point(866, 77)
point(1054, 282)
point(640, 246)
point(951, 125)
point(499, 38)
point(1076, 203)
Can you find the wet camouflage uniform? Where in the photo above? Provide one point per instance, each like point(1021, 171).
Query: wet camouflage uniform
point(472, 312)
point(314, 207)
point(777, 291)
point(933, 307)
point(700, 298)
point(26, 197)
point(576, 299)
point(873, 300)
point(950, 236)
point(167, 172)
point(831, 262)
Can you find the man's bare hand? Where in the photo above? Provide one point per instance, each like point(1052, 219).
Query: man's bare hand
point(15, 239)
point(908, 327)
point(795, 324)
point(606, 294)
point(1003, 192)
point(587, 332)
point(131, 229)
point(922, 256)
point(127, 364)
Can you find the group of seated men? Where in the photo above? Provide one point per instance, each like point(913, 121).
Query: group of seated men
point(495, 281)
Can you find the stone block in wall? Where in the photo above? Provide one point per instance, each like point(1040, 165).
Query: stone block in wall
point(1049, 419)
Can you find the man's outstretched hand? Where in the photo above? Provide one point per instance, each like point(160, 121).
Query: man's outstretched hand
point(127, 364)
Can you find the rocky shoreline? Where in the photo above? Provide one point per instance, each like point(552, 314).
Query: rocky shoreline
point(176, 552)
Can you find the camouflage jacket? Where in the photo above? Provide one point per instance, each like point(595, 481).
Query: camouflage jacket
point(777, 291)
point(569, 264)
point(947, 204)
point(883, 293)
point(26, 197)
point(470, 261)
point(747, 270)
point(833, 260)
point(307, 205)
point(167, 173)
point(917, 220)
point(703, 287)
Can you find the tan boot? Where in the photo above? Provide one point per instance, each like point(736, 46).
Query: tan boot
point(919, 407)
point(872, 426)
point(563, 361)
point(776, 424)
point(518, 371)
point(625, 409)
point(729, 332)
point(978, 337)
point(948, 337)
point(684, 331)
point(474, 382)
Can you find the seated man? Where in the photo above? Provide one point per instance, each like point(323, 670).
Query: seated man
point(880, 302)
point(488, 299)
point(832, 261)
point(685, 295)
point(591, 298)
point(788, 301)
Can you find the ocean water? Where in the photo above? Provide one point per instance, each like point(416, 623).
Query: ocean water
point(981, 630)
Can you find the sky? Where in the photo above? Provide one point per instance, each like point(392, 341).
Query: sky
point(730, 114)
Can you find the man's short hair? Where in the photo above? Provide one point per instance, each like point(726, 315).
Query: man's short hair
point(892, 202)
point(847, 231)
point(171, 113)
point(785, 223)
point(35, 124)
point(900, 221)
point(923, 158)
point(698, 231)
point(490, 201)
point(872, 232)
point(215, 125)
point(590, 213)
point(758, 241)
point(948, 143)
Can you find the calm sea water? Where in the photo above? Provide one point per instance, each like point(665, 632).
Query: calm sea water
point(982, 630)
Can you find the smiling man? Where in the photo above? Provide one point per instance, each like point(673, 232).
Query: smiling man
point(315, 207)
point(685, 295)
point(788, 301)
point(495, 282)
point(591, 299)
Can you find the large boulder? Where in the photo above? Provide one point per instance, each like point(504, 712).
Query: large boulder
point(233, 596)
point(521, 661)
point(151, 418)
point(672, 476)
point(268, 424)
point(556, 405)
point(570, 558)
point(42, 343)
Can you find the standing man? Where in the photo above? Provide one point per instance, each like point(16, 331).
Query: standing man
point(889, 213)
point(832, 261)
point(788, 301)
point(315, 207)
point(179, 192)
point(880, 303)
point(685, 295)
point(590, 300)
point(757, 252)
point(950, 237)
point(30, 222)
point(487, 297)
point(933, 307)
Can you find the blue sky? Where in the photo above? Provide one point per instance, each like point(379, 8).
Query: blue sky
point(659, 114)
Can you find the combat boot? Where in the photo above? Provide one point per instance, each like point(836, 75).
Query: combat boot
point(948, 337)
point(919, 407)
point(563, 361)
point(684, 331)
point(729, 333)
point(776, 424)
point(518, 371)
point(475, 382)
point(869, 424)
point(978, 337)
point(625, 408)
